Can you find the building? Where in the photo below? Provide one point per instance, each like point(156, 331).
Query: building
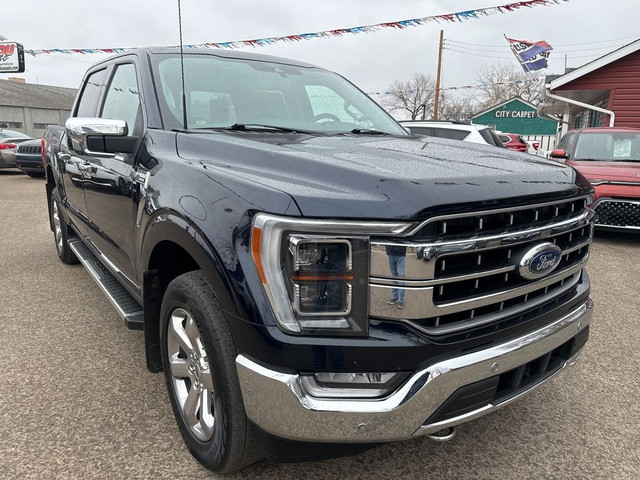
point(519, 116)
point(604, 92)
point(29, 108)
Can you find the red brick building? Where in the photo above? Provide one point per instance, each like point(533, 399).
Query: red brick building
point(587, 96)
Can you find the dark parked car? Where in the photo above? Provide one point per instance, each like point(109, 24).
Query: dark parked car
point(29, 158)
point(9, 140)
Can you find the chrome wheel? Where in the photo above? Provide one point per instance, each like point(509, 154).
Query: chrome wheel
point(57, 227)
point(191, 374)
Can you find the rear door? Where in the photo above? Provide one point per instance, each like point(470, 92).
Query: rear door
point(74, 166)
point(110, 189)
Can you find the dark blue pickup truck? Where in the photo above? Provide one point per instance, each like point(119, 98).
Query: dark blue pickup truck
point(312, 279)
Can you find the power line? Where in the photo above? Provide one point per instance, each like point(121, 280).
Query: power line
point(557, 45)
point(502, 49)
point(510, 57)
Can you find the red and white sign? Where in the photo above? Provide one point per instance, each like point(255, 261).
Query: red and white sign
point(11, 57)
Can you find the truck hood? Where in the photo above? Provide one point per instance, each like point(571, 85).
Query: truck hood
point(614, 171)
point(379, 176)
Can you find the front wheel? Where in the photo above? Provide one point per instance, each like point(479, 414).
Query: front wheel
point(198, 356)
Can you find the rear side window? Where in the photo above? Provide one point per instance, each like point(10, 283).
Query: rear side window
point(422, 131)
point(450, 133)
point(490, 137)
point(88, 105)
point(505, 138)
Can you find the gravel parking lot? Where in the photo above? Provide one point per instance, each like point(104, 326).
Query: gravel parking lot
point(76, 399)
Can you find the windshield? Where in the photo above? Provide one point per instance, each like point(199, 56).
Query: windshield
point(608, 146)
point(222, 92)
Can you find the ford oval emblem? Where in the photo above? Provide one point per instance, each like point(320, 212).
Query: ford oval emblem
point(539, 261)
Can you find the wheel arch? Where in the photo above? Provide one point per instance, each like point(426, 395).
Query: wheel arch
point(171, 247)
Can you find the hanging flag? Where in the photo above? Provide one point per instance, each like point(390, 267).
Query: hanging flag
point(531, 55)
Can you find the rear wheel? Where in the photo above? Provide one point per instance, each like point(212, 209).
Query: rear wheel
point(198, 356)
point(60, 230)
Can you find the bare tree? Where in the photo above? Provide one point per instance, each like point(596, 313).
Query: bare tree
point(498, 82)
point(415, 96)
point(459, 110)
point(2, 38)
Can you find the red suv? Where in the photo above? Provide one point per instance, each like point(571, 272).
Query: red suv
point(610, 159)
point(513, 141)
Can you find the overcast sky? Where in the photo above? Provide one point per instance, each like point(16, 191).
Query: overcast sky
point(372, 61)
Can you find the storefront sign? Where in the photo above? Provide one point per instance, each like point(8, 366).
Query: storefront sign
point(515, 114)
point(11, 57)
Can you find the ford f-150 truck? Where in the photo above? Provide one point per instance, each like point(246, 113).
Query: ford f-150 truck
point(311, 279)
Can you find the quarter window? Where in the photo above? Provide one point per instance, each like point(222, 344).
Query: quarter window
point(88, 105)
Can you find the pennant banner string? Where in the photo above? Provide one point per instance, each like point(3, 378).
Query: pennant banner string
point(260, 42)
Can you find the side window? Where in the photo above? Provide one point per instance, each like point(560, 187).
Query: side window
point(123, 99)
point(88, 105)
point(450, 133)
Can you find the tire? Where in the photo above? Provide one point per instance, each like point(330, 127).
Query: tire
point(202, 382)
point(61, 230)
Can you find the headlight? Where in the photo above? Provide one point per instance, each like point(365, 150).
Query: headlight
point(316, 273)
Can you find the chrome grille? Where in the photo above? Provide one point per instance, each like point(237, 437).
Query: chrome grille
point(29, 149)
point(618, 213)
point(454, 283)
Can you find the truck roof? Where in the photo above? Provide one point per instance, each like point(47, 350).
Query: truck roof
point(209, 51)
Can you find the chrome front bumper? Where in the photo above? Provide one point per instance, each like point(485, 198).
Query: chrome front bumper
point(277, 403)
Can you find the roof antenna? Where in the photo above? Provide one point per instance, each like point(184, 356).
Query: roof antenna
point(184, 95)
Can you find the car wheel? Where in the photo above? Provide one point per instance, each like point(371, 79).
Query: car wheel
point(198, 356)
point(61, 231)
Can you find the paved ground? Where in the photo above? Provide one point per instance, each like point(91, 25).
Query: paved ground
point(76, 400)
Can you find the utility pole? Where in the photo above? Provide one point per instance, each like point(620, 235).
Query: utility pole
point(437, 99)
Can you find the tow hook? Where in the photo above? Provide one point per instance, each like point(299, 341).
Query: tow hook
point(444, 435)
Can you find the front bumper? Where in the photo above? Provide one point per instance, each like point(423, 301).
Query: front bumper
point(277, 403)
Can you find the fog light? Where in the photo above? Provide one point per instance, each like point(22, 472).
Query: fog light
point(352, 385)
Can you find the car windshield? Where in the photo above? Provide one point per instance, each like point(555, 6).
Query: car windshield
point(608, 146)
point(252, 94)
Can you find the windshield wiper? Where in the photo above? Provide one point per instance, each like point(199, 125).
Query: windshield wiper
point(258, 126)
point(366, 131)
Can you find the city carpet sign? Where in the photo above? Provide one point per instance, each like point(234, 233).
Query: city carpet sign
point(11, 57)
point(515, 114)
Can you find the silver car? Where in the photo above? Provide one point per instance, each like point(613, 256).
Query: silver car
point(9, 140)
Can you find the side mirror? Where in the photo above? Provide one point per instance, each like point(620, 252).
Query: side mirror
point(558, 153)
point(99, 137)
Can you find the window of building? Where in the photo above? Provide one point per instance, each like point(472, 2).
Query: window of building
point(594, 120)
point(578, 122)
point(40, 126)
point(4, 124)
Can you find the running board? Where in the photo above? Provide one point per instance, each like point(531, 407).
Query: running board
point(128, 308)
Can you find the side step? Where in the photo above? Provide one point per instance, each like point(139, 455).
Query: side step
point(128, 308)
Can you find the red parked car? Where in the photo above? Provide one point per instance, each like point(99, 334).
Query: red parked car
point(610, 159)
point(513, 141)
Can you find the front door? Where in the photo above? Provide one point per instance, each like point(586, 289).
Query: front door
point(110, 188)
